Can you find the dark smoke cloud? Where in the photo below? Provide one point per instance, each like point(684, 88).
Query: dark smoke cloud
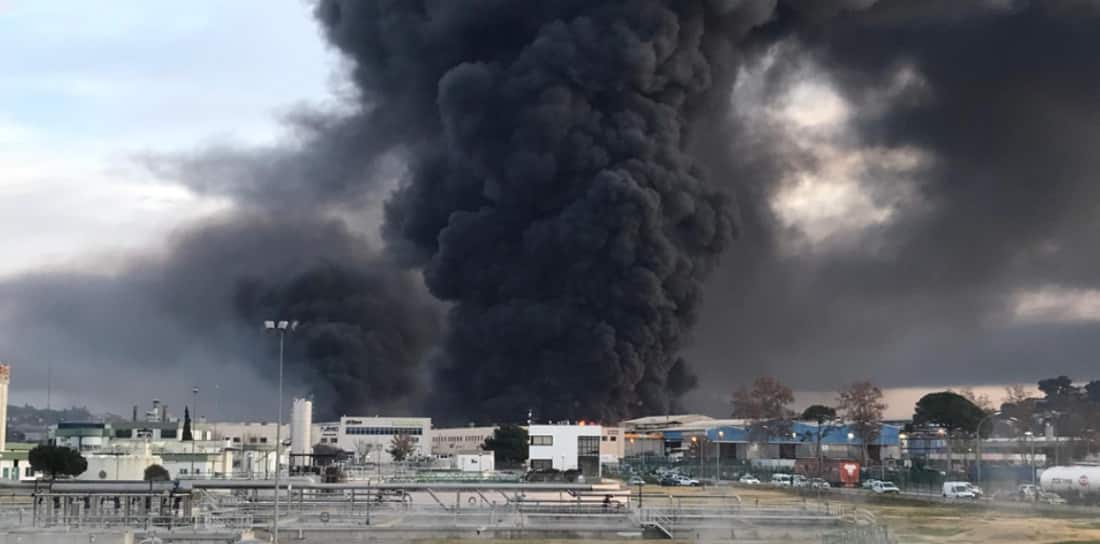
point(194, 311)
point(555, 173)
point(1002, 105)
point(550, 196)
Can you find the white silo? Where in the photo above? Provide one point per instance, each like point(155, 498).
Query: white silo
point(301, 422)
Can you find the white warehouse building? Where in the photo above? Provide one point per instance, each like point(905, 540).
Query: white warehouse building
point(368, 438)
point(565, 447)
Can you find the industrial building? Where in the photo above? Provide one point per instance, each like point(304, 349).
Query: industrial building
point(369, 438)
point(460, 440)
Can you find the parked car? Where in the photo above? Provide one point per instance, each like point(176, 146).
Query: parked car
point(978, 493)
point(749, 479)
point(669, 481)
point(885, 488)
point(958, 490)
point(799, 480)
point(819, 483)
point(781, 480)
point(636, 480)
point(868, 483)
point(685, 481)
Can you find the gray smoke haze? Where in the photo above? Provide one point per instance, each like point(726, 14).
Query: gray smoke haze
point(524, 205)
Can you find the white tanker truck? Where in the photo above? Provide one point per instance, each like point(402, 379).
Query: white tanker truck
point(1073, 483)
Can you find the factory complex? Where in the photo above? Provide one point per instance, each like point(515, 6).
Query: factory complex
point(250, 450)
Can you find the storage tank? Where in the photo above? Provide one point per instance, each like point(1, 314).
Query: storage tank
point(1077, 481)
point(301, 423)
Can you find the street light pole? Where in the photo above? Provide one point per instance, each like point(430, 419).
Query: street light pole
point(194, 420)
point(718, 456)
point(1031, 460)
point(978, 468)
point(282, 327)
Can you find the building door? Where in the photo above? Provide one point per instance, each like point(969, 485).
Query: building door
point(588, 456)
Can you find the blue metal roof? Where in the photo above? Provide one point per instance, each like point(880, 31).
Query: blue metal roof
point(801, 432)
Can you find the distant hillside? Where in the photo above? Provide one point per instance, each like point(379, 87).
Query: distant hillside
point(26, 419)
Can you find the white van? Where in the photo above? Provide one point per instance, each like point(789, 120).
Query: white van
point(958, 490)
point(780, 479)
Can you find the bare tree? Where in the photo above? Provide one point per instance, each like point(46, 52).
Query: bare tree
point(766, 406)
point(862, 406)
point(983, 402)
point(767, 399)
point(1016, 394)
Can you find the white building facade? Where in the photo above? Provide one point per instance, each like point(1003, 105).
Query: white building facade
point(460, 440)
point(369, 438)
point(565, 447)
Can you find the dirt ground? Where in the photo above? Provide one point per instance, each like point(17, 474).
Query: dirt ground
point(920, 522)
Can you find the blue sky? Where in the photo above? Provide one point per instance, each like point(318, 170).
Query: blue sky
point(86, 86)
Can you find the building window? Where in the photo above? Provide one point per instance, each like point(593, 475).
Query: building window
point(263, 440)
point(236, 440)
point(603, 439)
point(588, 445)
point(542, 440)
point(168, 433)
point(613, 438)
point(541, 464)
point(252, 440)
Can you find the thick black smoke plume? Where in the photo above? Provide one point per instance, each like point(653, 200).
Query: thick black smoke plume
point(550, 171)
point(550, 196)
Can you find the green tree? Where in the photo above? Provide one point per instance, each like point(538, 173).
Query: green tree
point(187, 435)
point(57, 461)
point(949, 410)
point(818, 413)
point(508, 444)
point(156, 473)
point(401, 447)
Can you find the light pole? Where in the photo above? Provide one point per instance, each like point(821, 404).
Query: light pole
point(217, 407)
point(978, 468)
point(718, 456)
point(849, 448)
point(194, 421)
point(1031, 460)
point(280, 327)
point(698, 453)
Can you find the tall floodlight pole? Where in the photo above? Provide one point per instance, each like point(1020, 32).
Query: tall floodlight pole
point(194, 421)
point(718, 456)
point(1031, 460)
point(980, 423)
point(281, 327)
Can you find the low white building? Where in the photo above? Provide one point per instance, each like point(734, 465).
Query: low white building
point(474, 462)
point(565, 447)
point(244, 434)
point(460, 440)
point(369, 438)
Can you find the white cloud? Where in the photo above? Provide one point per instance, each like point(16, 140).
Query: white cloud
point(82, 90)
point(1057, 304)
point(835, 188)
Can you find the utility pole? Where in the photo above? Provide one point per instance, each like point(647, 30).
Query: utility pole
point(281, 327)
point(194, 421)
